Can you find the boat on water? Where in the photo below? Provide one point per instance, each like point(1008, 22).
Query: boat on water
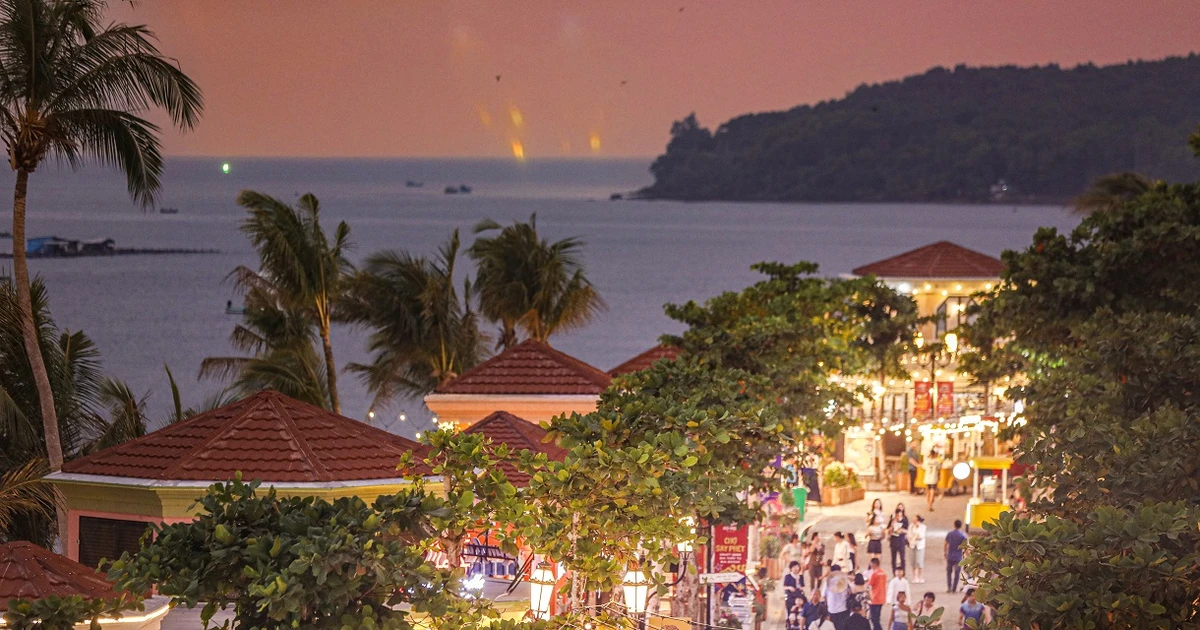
point(230, 309)
point(461, 189)
point(168, 210)
point(414, 184)
point(464, 189)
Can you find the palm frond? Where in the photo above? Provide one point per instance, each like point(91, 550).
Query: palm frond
point(24, 491)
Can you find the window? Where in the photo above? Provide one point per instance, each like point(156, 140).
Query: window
point(107, 538)
point(953, 312)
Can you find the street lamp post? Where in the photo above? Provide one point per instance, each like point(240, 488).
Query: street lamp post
point(941, 354)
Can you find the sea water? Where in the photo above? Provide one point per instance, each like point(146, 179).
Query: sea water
point(148, 311)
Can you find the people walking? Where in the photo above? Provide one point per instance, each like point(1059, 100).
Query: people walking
point(875, 532)
point(972, 609)
point(898, 537)
point(953, 551)
point(896, 586)
point(792, 551)
point(853, 544)
point(913, 462)
point(900, 613)
point(824, 620)
point(836, 596)
point(816, 561)
point(916, 542)
point(926, 606)
point(877, 583)
point(856, 620)
point(933, 470)
point(841, 550)
point(793, 585)
point(876, 511)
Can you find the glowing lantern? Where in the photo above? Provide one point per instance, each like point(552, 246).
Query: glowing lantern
point(541, 590)
point(636, 591)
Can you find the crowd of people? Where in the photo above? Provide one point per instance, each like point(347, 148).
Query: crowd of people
point(847, 591)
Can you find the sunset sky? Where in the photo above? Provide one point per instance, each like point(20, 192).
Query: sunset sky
point(594, 77)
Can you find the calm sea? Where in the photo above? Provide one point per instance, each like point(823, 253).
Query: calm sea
point(147, 311)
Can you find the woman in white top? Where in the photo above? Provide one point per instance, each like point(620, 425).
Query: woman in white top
point(900, 612)
point(916, 540)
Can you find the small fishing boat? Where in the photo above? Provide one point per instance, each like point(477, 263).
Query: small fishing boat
point(414, 184)
point(464, 189)
point(230, 309)
point(451, 190)
point(168, 210)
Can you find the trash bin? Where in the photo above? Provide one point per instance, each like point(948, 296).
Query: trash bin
point(800, 496)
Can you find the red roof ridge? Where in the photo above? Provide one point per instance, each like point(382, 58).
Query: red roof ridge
point(28, 571)
point(529, 368)
point(266, 436)
point(507, 418)
point(646, 359)
point(942, 259)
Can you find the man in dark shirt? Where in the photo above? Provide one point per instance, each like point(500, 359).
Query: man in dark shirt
point(953, 549)
point(856, 620)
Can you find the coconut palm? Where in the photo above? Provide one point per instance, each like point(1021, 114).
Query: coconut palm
point(528, 283)
point(423, 332)
point(1110, 191)
point(298, 264)
point(24, 494)
point(80, 396)
point(73, 88)
point(279, 344)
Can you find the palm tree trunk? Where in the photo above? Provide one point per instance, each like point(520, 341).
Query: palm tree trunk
point(33, 349)
point(330, 369)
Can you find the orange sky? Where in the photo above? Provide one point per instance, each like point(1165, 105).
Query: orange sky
point(417, 77)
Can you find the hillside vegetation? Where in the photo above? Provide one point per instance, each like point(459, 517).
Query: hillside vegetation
point(948, 135)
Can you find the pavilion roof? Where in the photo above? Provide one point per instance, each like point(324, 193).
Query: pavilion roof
point(518, 434)
point(266, 436)
point(29, 572)
point(529, 368)
point(942, 259)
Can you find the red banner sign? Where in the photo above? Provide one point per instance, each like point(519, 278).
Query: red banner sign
point(945, 399)
point(729, 548)
point(922, 401)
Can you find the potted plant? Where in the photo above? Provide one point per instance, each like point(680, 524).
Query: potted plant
point(840, 485)
point(769, 550)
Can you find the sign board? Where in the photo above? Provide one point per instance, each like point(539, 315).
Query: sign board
point(726, 577)
point(945, 399)
point(922, 400)
point(730, 549)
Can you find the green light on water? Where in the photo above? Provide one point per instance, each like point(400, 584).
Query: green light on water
point(225, 168)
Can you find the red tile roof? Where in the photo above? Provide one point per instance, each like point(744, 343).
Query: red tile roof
point(29, 572)
point(267, 436)
point(938, 260)
point(532, 368)
point(645, 360)
point(518, 434)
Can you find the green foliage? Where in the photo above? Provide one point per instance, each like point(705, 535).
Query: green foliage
point(1104, 321)
point(678, 440)
point(477, 492)
point(300, 561)
point(802, 334)
point(524, 281)
point(837, 475)
point(770, 547)
point(423, 331)
point(932, 621)
point(947, 134)
point(62, 613)
point(1113, 568)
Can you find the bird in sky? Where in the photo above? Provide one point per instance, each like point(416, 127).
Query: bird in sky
point(497, 78)
point(624, 82)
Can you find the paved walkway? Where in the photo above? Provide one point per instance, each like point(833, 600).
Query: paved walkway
point(851, 518)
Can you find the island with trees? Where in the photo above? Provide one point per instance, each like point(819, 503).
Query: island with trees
point(1003, 134)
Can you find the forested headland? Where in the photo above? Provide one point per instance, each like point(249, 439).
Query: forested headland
point(964, 134)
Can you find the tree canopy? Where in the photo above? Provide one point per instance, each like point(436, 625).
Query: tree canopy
point(948, 135)
point(1104, 320)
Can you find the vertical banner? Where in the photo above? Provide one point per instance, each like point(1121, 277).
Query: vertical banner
point(730, 547)
point(922, 402)
point(945, 399)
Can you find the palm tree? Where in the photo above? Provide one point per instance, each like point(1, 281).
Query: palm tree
point(423, 332)
point(1110, 191)
point(298, 265)
point(279, 343)
point(24, 494)
point(73, 88)
point(529, 283)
